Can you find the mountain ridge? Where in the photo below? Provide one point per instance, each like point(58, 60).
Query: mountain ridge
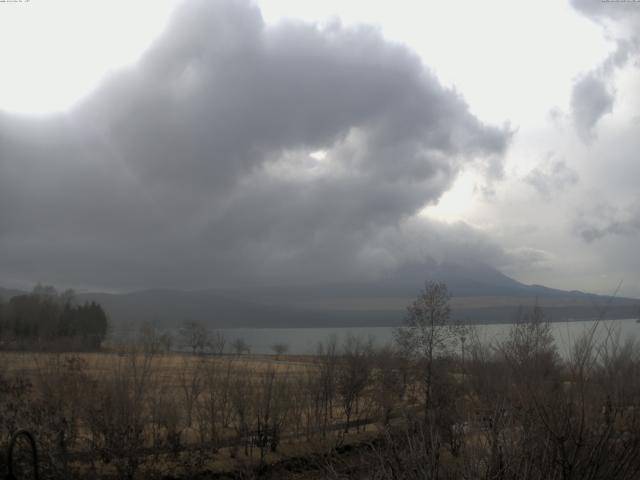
point(480, 294)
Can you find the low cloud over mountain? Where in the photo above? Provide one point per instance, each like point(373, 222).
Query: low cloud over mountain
point(236, 152)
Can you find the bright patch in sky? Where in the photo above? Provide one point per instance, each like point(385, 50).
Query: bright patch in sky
point(56, 52)
point(458, 202)
point(318, 155)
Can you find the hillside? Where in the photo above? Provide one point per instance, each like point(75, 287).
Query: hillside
point(481, 294)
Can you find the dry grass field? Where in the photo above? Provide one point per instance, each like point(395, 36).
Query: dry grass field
point(127, 412)
point(171, 364)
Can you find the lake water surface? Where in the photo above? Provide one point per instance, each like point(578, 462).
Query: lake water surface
point(305, 340)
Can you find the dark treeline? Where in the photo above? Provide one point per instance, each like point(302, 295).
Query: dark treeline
point(47, 318)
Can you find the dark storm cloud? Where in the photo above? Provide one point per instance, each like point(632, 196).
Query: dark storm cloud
point(194, 168)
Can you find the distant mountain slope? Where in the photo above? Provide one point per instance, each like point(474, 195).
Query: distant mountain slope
point(172, 307)
point(7, 293)
point(469, 280)
point(481, 294)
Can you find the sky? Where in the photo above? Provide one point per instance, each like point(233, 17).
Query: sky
point(195, 144)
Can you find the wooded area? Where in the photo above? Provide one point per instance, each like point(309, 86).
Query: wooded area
point(45, 319)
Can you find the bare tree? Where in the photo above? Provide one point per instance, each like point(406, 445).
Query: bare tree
point(243, 404)
point(215, 409)
point(166, 424)
point(530, 342)
point(280, 348)
point(271, 408)
point(428, 332)
point(240, 346)
point(388, 383)
point(353, 376)
point(191, 384)
point(55, 408)
point(149, 338)
point(326, 382)
point(218, 342)
point(165, 340)
point(116, 412)
point(195, 336)
point(301, 395)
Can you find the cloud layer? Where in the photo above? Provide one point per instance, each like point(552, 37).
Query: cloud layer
point(593, 95)
point(552, 177)
point(237, 152)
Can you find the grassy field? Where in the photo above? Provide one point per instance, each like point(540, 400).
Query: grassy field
point(170, 363)
point(194, 412)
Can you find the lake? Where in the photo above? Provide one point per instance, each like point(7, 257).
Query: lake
point(305, 340)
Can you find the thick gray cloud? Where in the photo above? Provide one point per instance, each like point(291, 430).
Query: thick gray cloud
point(553, 176)
point(593, 95)
point(590, 101)
point(606, 220)
point(603, 10)
point(197, 167)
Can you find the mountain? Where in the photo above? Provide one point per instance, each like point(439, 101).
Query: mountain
point(7, 293)
point(481, 294)
point(471, 284)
